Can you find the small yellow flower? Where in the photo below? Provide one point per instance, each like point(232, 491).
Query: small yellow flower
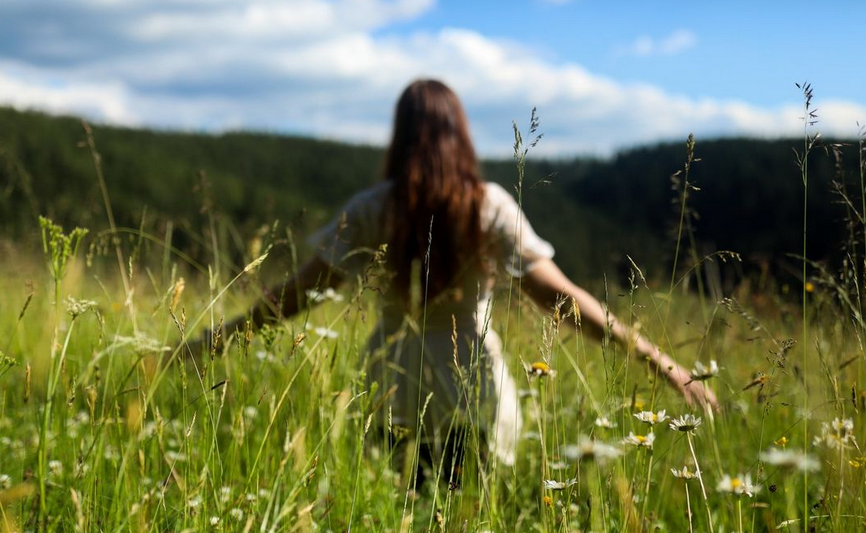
point(810, 287)
point(548, 501)
point(781, 441)
point(540, 369)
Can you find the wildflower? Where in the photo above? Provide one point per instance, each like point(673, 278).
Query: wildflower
point(540, 369)
point(214, 521)
point(604, 422)
point(810, 287)
point(237, 514)
point(684, 474)
point(250, 412)
point(587, 448)
point(194, 502)
point(140, 343)
point(55, 468)
point(837, 434)
point(687, 422)
point(558, 465)
point(640, 441)
point(858, 462)
point(532, 435)
point(225, 494)
point(790, 460)
point(648, 417)
point(5, 482)
point(781, 441)
point(326, 332)
point(846, 425)
point(550, 484)
point(175, 457)
point(77, 307)
point(548, 501)
point(328, 294)
point(742, 484)
point(702, 373)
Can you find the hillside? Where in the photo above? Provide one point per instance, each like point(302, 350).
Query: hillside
point(593, 211)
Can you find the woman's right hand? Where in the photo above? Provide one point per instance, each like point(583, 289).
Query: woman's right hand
point(695, 392)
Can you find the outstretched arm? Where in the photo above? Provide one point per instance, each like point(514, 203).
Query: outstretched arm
point(283, 301)
point(280, 301)
point(546, 284)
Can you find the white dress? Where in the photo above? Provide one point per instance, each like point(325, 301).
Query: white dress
point(398, 356)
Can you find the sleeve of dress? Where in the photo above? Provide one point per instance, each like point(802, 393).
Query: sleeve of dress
point(516, 244)
point(348, 239)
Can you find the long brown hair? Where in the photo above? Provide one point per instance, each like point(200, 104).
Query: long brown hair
point(437, 192)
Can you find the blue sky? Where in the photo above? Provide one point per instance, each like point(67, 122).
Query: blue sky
point(753, 51)
point(604, 75)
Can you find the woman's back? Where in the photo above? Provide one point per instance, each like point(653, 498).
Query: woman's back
point(511, 248)
point(418, 353)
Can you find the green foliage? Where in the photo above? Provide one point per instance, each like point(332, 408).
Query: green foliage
point(59, 247)
point(593, 211)
point(280, 434)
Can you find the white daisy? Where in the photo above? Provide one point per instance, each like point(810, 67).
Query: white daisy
point(587, 448)
point(687, 422)
point(742, 484)
point(604, 422)
point(837, 434)
point(684, 473)
point(648, 417)
point(551, 484)
point(790, 459)
point(702, 373)
point(640, 441)
point(326, 332)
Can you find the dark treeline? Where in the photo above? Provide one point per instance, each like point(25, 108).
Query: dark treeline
point(593, 211)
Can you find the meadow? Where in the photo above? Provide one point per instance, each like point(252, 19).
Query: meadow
point(107, 424)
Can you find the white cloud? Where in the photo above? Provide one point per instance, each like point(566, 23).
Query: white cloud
point(105, 102)
point(231, 64)
point(675, 43)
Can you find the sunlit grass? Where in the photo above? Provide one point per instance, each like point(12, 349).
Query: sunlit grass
point(275, 435)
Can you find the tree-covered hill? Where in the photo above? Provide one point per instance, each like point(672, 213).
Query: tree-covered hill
point(593, 211)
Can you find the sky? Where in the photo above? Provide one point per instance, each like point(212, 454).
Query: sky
point(603, 75)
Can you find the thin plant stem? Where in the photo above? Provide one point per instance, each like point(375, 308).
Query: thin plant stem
point(689, 508)
point(740, 513)
point(700, 480)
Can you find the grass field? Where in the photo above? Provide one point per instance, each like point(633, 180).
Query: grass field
point(101, 429)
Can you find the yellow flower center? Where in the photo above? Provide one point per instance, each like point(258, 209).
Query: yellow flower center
point(736, 483)
point(641, 439)
point(655, 417)
point(540, 368)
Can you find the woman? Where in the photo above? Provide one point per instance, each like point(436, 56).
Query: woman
point(449, 235)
